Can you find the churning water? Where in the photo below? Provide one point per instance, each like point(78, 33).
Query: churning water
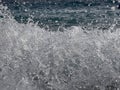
point(59, 49)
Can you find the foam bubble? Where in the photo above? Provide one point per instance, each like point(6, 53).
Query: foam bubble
point(113, 8)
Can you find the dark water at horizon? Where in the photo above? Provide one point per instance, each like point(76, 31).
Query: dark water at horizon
point(93, 15)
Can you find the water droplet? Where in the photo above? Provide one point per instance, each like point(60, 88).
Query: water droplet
point(113, 8)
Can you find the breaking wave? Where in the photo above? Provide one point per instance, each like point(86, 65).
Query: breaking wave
point(32, 58)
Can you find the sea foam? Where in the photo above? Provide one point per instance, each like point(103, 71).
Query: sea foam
point(32, 58)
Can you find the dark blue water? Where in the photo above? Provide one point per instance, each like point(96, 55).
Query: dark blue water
point(74, 13)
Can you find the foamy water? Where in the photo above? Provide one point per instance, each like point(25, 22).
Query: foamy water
point(32, 58)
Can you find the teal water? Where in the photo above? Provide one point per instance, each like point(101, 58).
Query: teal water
point(94, 15)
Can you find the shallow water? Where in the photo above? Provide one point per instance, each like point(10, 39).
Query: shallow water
point(80, 55)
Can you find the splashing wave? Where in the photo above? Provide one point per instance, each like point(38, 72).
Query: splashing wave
point(32, 58)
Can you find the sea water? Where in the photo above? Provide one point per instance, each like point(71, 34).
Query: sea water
point(52, 47)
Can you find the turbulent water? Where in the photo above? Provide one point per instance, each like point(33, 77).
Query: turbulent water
point(59, 48)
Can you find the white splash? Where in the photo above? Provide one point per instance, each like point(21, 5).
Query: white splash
point(66, 60)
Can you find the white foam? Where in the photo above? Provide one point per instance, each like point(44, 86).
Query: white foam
point(91, 57)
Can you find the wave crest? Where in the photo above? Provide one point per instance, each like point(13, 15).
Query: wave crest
point(69, 60)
